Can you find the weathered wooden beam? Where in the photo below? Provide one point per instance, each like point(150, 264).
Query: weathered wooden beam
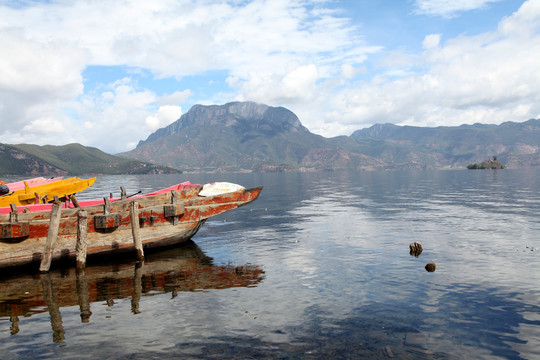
point(136, 228)
point(74, 201)
point(13, 215)
point(52, 235)
point(82, 242)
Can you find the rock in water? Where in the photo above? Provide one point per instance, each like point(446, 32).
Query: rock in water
point(415, 249)
point(430, 267)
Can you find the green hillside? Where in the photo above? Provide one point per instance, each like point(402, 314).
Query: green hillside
point(73, 159)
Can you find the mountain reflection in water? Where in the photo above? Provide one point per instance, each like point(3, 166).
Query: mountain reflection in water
point(182, 268)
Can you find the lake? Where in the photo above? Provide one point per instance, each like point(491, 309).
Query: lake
point(317, 268)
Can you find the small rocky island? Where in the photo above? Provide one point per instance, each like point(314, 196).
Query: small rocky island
point(488, 165)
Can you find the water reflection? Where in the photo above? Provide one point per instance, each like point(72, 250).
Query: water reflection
point(182, 268)
point(339, 281)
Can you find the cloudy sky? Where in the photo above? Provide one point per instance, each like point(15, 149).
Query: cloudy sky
point(109, 73)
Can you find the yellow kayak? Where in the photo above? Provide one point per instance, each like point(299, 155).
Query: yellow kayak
point(43, 193)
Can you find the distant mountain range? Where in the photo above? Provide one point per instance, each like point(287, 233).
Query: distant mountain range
point(75, 159)
point(249, 136)
point(246, 136)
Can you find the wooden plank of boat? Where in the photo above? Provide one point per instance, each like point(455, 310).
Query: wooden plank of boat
point(45, 192)
point(164, 219)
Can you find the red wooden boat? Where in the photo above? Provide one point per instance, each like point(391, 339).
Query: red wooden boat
point(44, 232)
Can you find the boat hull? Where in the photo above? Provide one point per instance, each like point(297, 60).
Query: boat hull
point(163, 219)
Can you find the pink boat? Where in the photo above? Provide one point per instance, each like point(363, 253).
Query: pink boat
point(70, 205)
point(19, 185)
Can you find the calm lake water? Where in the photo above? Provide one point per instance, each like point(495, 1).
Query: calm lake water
point(317, 268)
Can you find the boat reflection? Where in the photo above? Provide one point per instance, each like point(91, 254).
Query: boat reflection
point(182, 268)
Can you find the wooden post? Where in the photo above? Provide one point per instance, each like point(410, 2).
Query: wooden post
point(54, 225)
point(82, 243)
point(135, 228)
point(13, 215)
point(74, 201)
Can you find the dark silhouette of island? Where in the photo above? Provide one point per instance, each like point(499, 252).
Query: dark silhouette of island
point(490, 164)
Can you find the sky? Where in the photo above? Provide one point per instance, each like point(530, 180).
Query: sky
point(107, 73)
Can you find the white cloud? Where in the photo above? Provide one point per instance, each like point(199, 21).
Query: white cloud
point(524, 22)
point(489, 78)
point(288, 53)
point(49, 44)
point(44, 127)
point(116, 118)
point(165, 115)
point(35, 79)
point(298, 86)
point(177, 97)
point(449, 8)
point(431, 41)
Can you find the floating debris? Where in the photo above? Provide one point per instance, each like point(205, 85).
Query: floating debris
point(430, 267)
point(415, 249)
point(415, 339)
point(388, 351)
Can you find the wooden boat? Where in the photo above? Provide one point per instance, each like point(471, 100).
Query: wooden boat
point(174, 270)
point(44, 232)
point(44, 191)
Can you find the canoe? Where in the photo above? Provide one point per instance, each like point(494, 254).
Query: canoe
point(184, 268)
point(44, 233)
point(44, 191)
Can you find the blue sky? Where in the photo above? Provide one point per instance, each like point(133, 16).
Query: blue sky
point(108, 74)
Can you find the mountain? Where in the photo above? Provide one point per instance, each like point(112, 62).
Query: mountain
point(515, 144)
point(249, 136)
point(75, 159)
point(245, 136)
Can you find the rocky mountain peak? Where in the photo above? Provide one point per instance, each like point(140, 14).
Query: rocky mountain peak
point(234, 114)
point(376, 131)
